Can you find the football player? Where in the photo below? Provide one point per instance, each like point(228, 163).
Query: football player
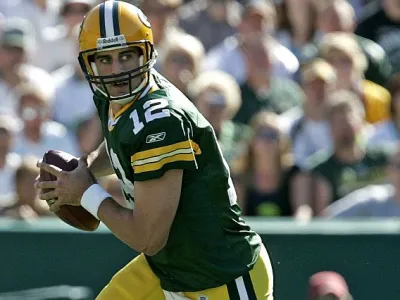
point(181, 212)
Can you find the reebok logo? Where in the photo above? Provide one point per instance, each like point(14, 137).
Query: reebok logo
point(156, 137)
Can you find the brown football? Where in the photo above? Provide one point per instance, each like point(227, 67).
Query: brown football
point(75, 216)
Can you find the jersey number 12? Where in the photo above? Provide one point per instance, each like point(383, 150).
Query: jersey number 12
point(150, 114)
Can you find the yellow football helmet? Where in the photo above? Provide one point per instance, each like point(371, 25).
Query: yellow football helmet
point(113, 25)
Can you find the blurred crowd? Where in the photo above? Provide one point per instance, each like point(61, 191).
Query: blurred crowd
point(303, 95)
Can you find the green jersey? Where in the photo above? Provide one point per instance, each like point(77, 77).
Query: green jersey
point(209, 245)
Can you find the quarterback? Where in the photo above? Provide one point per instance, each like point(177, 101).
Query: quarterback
point(181, 212)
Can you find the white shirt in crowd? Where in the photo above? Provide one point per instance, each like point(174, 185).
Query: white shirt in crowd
point(28, 9)
point(73, 98)
point(55, 50)
point(7, 179)
point(229, 58)
point(371, 201)
point(54, 136)
point(308, 136)
point(31, 74)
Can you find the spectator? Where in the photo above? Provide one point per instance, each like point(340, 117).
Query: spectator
point(9, 161)
point(217, 96)
point(16, 42)
point(373, 200)
point(162, 15)
point(350, 165)
point(381, 23)
point(39, 13)
point(73, 96)
point(339, 16)
point(328, 285)
point(39, 134)
point(341, 50)
point(308, 127)
point(27, 204)
point(182, 59)
point(262, 90)
point(300, 15)
point(265, 170)
point(388, 132)
point(258, 21)
point(58, 47)
point(212, 24)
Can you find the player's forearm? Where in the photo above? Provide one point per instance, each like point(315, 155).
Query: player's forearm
point(126, 226)
point(99, 162)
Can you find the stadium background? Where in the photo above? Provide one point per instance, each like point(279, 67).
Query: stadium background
point(304, 99)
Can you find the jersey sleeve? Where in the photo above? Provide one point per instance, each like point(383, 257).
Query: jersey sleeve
point(163, 145)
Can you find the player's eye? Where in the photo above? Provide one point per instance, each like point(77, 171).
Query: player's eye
point(104, 60)
point(126, 57)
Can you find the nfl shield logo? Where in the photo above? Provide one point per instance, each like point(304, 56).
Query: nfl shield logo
point(203, 298)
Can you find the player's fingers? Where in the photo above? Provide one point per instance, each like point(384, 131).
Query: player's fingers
point(46, 184)
point(56, 171)
point(48, 196)
point(55, 206)
point(83, 159)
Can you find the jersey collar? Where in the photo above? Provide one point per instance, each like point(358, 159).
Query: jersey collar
point(113, 119)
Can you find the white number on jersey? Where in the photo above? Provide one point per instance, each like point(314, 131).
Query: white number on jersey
point(150, 107)
point(127, 185)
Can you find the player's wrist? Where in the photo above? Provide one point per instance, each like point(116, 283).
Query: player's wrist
point(93, 197)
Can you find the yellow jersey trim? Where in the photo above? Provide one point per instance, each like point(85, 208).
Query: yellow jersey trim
point(159, 164)
point(189, 144)
point(155, 159)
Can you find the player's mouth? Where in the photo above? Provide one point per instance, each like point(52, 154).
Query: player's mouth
point(121, 84)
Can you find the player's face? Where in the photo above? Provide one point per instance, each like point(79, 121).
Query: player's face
point(118, 61)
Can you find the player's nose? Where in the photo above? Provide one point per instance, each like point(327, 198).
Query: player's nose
point(116, 67)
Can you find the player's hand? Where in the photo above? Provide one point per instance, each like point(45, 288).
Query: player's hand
point(69, 186)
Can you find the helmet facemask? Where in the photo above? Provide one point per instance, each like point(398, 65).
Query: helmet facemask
point(100, 83)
